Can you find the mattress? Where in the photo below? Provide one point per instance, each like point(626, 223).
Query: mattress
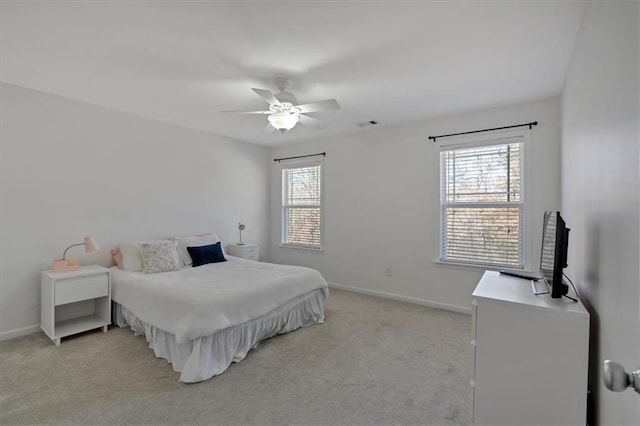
point(196, 302)
point(202, 319)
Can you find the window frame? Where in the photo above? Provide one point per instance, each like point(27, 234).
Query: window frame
point(474, 141)
point(294, 164)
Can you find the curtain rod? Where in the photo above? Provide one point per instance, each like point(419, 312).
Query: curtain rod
point(530, 125)
point(301, 156)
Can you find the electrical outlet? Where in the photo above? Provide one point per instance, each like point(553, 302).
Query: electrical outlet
point(388, 272)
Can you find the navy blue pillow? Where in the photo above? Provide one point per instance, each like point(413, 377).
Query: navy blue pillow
point(206, 254)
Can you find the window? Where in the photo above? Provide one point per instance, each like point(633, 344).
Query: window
point(482, 203)
point(302, 205)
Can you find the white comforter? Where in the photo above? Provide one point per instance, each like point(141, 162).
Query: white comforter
point(200, 301)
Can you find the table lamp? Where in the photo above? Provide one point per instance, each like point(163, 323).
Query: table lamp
point(65, 265)
point(241, 228)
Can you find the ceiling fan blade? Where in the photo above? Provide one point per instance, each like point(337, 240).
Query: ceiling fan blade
point(325, 105)
point(246, 112)
point(310, 121)
point(267, 96)
point(269, 128)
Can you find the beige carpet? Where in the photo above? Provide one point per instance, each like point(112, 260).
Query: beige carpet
point(373, 361)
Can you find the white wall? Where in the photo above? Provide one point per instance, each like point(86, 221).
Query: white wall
point(600, 192)
point(69, 169)
point(381, 204)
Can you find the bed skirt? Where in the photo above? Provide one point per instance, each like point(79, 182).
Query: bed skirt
point(205, 357)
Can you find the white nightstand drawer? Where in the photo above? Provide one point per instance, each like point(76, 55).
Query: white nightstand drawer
point(251, 251)
point(81, 288)
point(245, 251)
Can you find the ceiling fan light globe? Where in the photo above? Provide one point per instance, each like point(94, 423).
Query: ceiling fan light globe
point(283, 121)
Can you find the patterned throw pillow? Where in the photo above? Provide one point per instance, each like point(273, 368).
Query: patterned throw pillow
point(160, 256)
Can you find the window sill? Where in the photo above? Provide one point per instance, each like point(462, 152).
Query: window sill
point(473, 266)
point(294, 247)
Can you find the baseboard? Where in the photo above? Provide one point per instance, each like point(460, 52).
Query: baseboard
point(12, 334)
point(385, 295)
point(19, 332)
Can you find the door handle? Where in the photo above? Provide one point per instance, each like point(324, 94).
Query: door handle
point(617, 379)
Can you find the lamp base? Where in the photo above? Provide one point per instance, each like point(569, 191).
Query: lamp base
point(60, 265)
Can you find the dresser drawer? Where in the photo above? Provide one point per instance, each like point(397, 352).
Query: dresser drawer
point(81, 288)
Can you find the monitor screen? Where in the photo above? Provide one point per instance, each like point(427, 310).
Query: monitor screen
point(553, 258)
point(547, 256)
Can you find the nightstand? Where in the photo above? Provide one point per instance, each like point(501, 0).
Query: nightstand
point(245, 251)
point(75, 301)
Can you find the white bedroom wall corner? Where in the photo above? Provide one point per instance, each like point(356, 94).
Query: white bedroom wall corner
point(71, 168)
point(382, 206)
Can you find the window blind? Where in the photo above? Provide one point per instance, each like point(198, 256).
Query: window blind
point(482, 204)
point(301, 205)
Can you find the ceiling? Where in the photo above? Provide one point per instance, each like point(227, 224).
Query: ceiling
point(393, 62)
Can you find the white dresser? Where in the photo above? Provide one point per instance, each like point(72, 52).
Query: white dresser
point(245, 251)
point(76, 301)
point(530, 355)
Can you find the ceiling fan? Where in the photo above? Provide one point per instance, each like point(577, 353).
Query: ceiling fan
point(284, 112)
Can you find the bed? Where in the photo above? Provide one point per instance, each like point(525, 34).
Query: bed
point(201, 319)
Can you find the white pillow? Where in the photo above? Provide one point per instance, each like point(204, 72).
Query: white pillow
point(131, 256)
point(193, 241)
point(160, 256)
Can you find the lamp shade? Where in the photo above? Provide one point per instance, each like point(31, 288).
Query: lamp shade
point(90, 244)
point(283, 121)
